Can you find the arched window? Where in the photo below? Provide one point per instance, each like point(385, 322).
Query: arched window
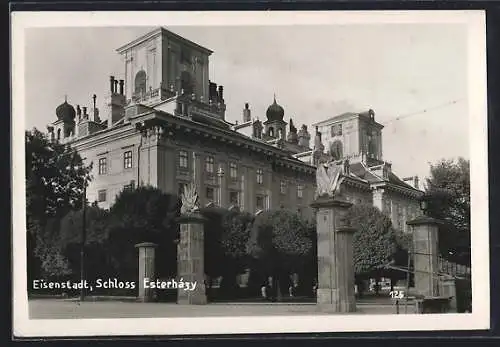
point(58, 134)
point(270, 132)
point(140, 82)
point(186, 82)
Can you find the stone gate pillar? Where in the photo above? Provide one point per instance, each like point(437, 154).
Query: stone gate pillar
point(190, 259)
point(425, 255)
point(335, 291)
point(146, 270)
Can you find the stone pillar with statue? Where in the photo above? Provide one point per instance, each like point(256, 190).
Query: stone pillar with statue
point(335, 292)
point(190, 249)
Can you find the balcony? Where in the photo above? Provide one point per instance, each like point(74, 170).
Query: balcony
point(157, 94)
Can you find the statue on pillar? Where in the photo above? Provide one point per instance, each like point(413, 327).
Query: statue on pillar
point(189, 199)
point(328, 179)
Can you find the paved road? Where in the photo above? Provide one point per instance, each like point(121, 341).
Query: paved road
point(63, 309)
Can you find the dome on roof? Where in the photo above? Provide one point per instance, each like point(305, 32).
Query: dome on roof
point(275, 112)
point(65, 112)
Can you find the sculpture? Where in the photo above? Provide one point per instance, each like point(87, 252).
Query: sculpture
point(189, 199)
point(328, 179)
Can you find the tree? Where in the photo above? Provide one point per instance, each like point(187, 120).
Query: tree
point(281, 242)
point(448, 188)
point(226, 236)
point(55, 177)
point(375, 240)
point(97, 259)
point(145, 214)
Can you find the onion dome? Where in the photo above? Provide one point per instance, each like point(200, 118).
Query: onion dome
point(65, 112)
point(275, 112)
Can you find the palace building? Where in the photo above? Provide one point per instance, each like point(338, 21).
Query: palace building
point(167, 119)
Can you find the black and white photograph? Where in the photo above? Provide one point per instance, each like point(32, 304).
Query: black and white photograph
point(249, 172)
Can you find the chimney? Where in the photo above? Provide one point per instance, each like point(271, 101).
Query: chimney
point(111, 83)
point(94, 97)
point(246, 113)
point(121, 86)
point(116, 86)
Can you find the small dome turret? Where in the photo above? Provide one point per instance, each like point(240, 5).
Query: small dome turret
point(65, 112)
point(275, 112)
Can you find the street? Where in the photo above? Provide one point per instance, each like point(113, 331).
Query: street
point(65, 309)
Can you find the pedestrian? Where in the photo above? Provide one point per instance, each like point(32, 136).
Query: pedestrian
point(263, 291)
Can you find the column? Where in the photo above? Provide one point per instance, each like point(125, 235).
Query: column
point(146, 270)
point(425, 253)
point(251, 188)
point(198, 170)
point(222, 175)
point(335, 257)
point(190, 259)
point(378, 199)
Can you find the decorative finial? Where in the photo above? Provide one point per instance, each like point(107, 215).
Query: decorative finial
point(65, 98)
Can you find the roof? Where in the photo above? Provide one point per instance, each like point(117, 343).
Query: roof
point(348, 115)
point(358, 170)
point(162, 31)
point(343, 116)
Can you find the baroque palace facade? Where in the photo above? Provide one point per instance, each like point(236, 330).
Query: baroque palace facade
point(167, 119)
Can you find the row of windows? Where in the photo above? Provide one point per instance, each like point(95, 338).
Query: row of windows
point(102, 194)
point(233, 171)
point(234, 196)
point(103, 163)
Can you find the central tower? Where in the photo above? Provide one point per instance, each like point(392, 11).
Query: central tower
point(161, 63)
point(352, 135)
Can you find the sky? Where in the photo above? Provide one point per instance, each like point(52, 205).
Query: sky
point(414, 71)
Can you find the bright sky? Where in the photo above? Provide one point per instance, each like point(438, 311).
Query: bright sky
point(315, 71)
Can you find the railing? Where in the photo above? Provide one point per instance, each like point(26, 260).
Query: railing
point(153, 93)
point(453, 269)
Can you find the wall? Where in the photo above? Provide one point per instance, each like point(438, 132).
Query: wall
point(112, 147)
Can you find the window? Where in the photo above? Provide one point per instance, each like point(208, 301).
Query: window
point(183, 159)
point(129, 186)
point(101, 195)
point(259, 203)
point(260, 176)
point(127, 159)
point(300, 190)
point(233, 171)
point(283, 187)
point(209, 164)
point(210, 195)
point(140, 82)
point(234, 198)
point(336, 130)
point(102, 166)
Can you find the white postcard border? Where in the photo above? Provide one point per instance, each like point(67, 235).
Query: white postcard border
point(479, 319)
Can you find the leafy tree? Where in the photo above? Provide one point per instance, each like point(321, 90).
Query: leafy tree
point(448, 188)
point(226, 236)
point(145, 214)
point(375, 240)
point(281, 242)
point(55, 177)
point(96, 246)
